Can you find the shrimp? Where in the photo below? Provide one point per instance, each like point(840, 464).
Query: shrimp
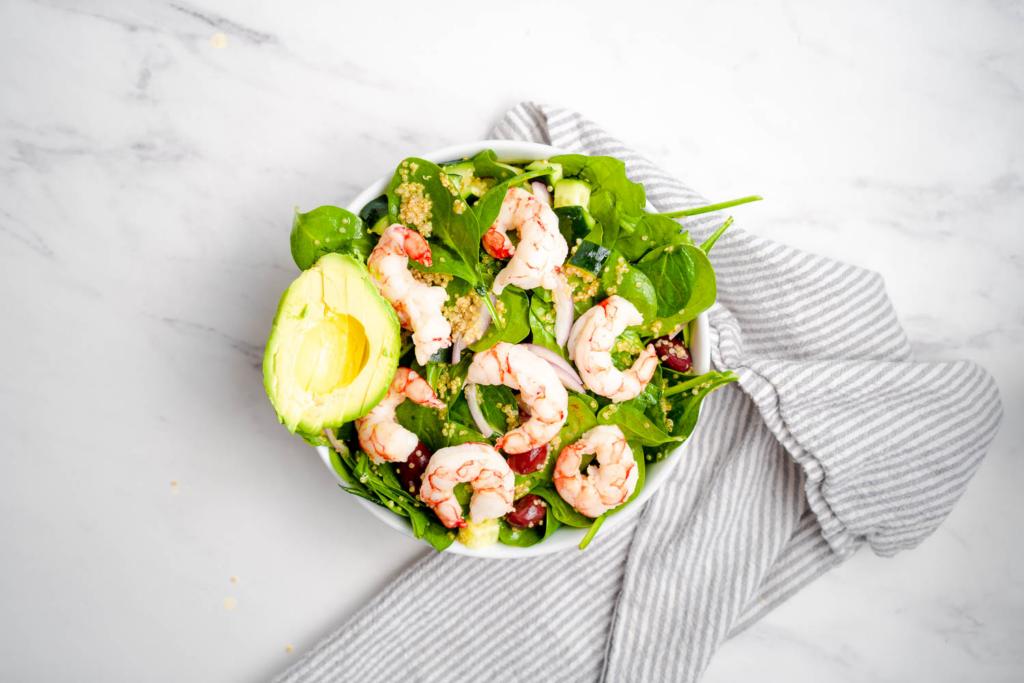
point(604, 487)
point(418, 304)
point(487, 472)
point(538, 386)
point(542, 250)
point(590, 343)
point(383, 439)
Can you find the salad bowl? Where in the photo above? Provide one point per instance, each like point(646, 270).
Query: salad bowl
point(657, 473)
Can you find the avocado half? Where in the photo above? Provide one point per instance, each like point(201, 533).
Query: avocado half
point(333, 349)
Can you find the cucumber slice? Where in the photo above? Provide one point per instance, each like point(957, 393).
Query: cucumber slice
point(572, 192)
point(553, 177)
point(590, 257)
point(574, 222)
point(464, 177)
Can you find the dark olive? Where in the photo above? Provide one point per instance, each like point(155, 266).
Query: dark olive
point(530, 461)
point(529, 511)
point(672, 354)
point(410, 472)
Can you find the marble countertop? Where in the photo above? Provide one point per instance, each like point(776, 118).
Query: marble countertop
point(156, 521)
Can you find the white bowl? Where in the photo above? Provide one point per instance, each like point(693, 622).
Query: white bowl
point(656, 472)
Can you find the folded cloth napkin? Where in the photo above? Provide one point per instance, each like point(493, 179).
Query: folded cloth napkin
point(834, 436)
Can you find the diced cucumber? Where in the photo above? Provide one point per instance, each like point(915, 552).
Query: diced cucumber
point(572, 192)
point(374, 210)
point(574, 222)
point(553, 177)
point(380, 226)
point(515, 169)
point(464, 177)
point(590, 257)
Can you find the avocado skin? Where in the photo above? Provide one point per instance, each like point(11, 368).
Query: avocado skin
point(298, 311)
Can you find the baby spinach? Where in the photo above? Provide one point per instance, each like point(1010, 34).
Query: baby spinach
point(684, 280)
point(486, 165)
point(652, 231)
point(686, 398)
point(459, 434)
point(422, 197)
point(635, 425)
point(563, 512)
point(326, 230)
point(542, 324)
point(494, 401)
point(512, 325)
point(696, 211)
point(444, 261)
point(523, 538)
point(632, 284)
point(710, 241)
point(426, 423)
point(605, 173)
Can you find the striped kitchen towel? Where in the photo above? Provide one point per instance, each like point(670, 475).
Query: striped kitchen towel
point(833, 437)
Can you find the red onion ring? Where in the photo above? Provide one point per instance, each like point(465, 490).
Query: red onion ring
point(478, 415)
point(564, 309)
point(540, 191)
point(566, 374)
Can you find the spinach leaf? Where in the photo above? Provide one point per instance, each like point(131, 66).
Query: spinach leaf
point(627, 347)
point(497, 402)
point(385, 485)
point(422, 197)
point(652, 231)
point(459, 434)
point(684, 280)
point(524, 538)
point(542, 324)
point(513, 316)
point(632, 284)
point(635, 425)
point(448, 380)
point(444, 261)
point(489, 206)
point(563, 512)
point(606, 173)
point(426, 423)
point(486, 165)
point(326, 230)
point(685, 400)
point(710, 241)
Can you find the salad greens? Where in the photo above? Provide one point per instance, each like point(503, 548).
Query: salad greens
point(616, 248)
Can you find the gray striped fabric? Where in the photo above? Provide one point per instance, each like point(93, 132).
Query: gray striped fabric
point(833, 437)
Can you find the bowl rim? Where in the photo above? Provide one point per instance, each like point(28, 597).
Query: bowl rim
point(656, 472)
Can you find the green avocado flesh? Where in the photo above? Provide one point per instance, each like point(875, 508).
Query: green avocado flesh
point(333, 349)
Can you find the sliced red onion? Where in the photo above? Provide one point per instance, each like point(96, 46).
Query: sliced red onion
point(478, 415)
point(566, 374)
point(338, 445)
point(564, 309)
point(457, 346)
point(540, 191)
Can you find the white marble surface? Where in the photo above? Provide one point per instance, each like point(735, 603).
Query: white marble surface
point(149, 171)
